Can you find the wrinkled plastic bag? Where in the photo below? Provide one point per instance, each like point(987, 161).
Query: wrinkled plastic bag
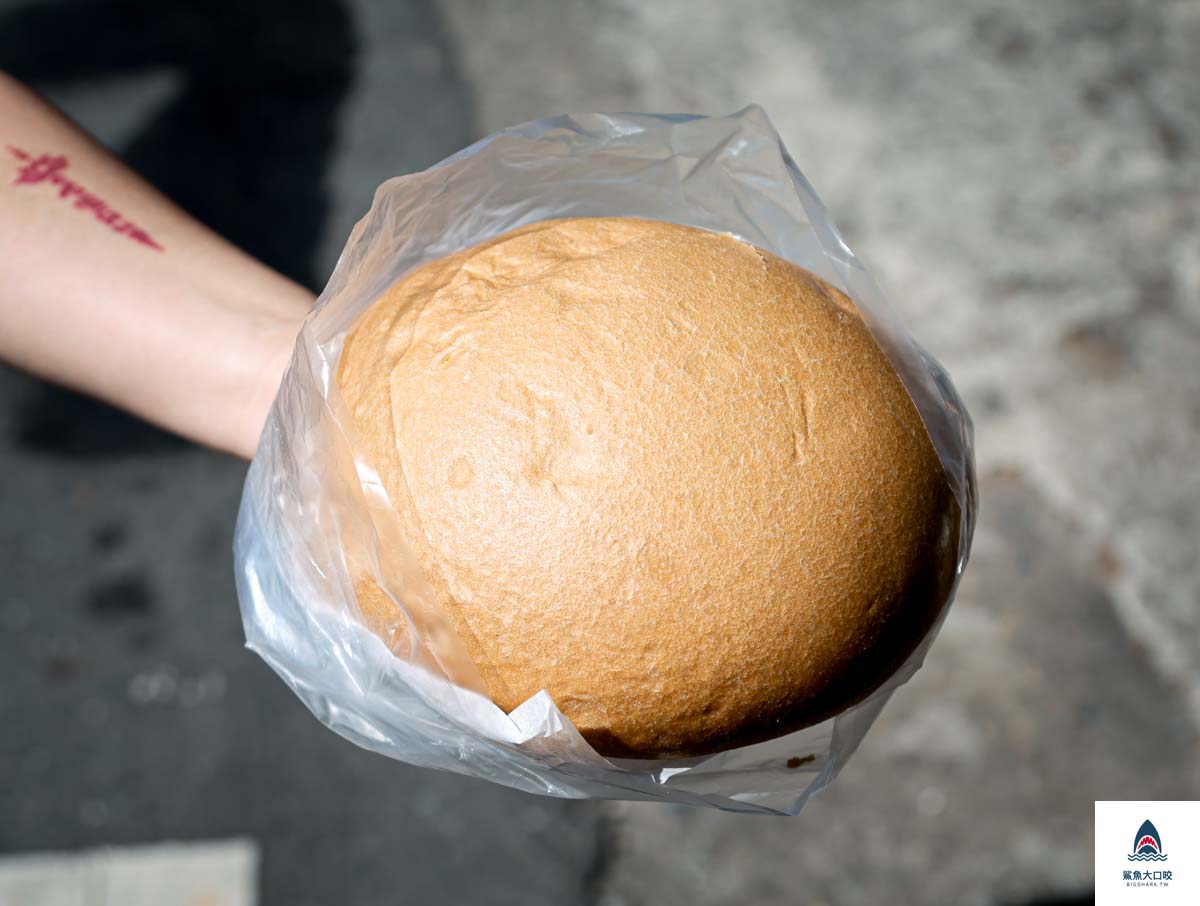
point(314, 513)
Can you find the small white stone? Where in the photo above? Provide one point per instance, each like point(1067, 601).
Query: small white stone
point(931, 802)
point(157, 685)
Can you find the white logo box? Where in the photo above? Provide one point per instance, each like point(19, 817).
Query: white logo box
point(1147, 852)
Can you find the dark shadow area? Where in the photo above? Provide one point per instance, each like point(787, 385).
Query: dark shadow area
point(243, 146)
point(1082, 899)
point(51, 421)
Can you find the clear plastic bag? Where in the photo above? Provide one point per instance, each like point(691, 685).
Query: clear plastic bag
point(314, 512)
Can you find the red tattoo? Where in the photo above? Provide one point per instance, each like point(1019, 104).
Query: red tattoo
point(48, 168)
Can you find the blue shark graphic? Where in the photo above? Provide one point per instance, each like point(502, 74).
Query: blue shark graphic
point(1147, 845)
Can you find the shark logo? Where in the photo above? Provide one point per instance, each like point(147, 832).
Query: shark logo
point(1147, 845)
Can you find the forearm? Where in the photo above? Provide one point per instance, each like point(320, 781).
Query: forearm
point(107, 287)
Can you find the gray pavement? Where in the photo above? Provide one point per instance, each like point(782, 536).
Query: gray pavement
point(1022, 178)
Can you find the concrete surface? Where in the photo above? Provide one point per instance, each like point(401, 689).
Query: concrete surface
point(207, 873)
point(1022, 178)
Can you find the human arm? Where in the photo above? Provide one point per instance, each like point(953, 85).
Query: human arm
point(108, 288)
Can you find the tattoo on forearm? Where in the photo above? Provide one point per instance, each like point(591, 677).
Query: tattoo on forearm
point(51, 169)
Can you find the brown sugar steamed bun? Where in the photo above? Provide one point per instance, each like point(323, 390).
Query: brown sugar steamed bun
point(663, 475)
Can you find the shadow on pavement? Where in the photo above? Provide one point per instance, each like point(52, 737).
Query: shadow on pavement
point(1082, 899)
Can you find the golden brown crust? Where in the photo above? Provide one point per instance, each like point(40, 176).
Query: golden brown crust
point(664, 475)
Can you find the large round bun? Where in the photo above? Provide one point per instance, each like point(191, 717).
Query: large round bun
point(663, 475)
